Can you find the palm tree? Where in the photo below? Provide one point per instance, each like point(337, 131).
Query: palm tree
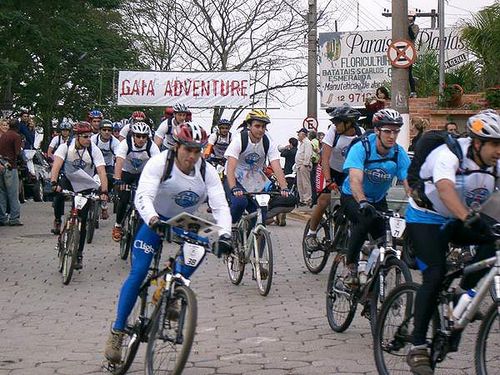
point(482, 37)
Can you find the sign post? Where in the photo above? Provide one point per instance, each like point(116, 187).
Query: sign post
point(310, 123)
point(402, 53)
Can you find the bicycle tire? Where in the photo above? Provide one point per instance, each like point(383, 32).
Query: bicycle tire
point(323, 253)
point(97, 215)
point(483, 342)
point(264, 283)
point(339, 324)
point(132, 232)
point(235, 262)
point(133, 336)
point(186, 322)
point(125, 240)
point(61, 243)
point(402, 277)
point(91, 222)
point(71, 253)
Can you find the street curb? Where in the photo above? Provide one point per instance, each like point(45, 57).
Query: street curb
point(300, 216)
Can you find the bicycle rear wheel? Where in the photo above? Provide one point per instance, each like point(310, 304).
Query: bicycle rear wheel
point(126, 240)
point(395, 272)
point(171, 338)
point(235, 262)
point(264, 266)
point(316, 260)
point(340, 301)
point(91, 222)
point(71, 253)
point(487, 356)
point(62, 241)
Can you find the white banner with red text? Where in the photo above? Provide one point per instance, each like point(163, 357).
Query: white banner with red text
point(194, 89)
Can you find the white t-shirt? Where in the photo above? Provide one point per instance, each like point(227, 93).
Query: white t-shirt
point(250, 167)
point(56, 142)
point(442, 164)
point(108, 148)
point(164, 132)
point(79, 159)
point(220, 143)
point(180, 193)
point(136, 159)
point(337, 157)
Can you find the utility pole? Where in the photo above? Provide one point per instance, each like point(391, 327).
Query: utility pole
point(432, 15)
point(399, 84)
point(312, 61)
point(441, 45)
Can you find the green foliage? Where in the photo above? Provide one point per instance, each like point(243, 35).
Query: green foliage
point(426, 72)
point(493, 97)
point(58, 52)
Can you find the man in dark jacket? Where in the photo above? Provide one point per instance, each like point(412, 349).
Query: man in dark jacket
point(288, 152)
point(27, 130)
point(10, 148)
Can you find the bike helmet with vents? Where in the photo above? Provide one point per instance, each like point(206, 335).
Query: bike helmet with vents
point(387, 117)
point(484, 125)
point(190, 135)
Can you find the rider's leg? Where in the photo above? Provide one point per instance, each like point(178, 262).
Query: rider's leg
point(237, 205)
point(318, 211)
point(58, 204)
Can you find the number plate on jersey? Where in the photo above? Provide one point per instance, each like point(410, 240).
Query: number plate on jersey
point(262, 199)
point(80, 202)
point(398, 226)
point(192, 254)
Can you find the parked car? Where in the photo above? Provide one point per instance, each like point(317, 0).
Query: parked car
point(34, 176)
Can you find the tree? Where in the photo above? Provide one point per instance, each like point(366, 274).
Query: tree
point(482, 36)
point(56, 54)
point(233, 35)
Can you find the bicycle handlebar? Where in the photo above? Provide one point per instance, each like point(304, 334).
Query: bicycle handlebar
point(91, 195)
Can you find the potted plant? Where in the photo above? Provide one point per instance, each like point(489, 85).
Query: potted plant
point(451, 96)
point(492, 95)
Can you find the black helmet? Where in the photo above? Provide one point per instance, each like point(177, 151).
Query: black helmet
point(387, 117)
point(343, 114)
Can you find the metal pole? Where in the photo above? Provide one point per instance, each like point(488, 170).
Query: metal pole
point(441, 45)
point(433, 18)
point(399, 82)
point(312, 61)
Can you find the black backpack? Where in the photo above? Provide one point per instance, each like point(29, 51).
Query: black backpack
point(337, 135)
point(169, 165)
point(425, 145)
point(366, 145)
point(129, 145)
point(110, 144)
point(218, 137)
point(244, 142)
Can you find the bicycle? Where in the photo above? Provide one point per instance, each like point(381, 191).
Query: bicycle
point(392, 340)
point(92, 220)
point(380, 269)
point(69, 238)
point(332, 234)
point(166, 319)
point(253, 245)
point(130, 224)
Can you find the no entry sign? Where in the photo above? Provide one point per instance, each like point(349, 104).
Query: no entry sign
point(402, 53)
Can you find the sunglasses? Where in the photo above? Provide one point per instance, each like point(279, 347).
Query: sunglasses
point(390, 131)
point(86, 136)
point(106, 130)
point(141, 136)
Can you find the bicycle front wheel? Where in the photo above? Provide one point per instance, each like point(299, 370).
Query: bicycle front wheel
point(91, 222)
point(340, 301)
point(235, 262)
point(126, 239)
point(316, 260)
point(263, 266)
point(172, 334)
point(394, 273)
point(70, 253)
point(487, 343)
point(61, 248)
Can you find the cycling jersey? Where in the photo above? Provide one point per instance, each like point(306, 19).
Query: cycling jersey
point(108, 148)
point(378, 176)
point(219, 143)
point(79, 159)
point(126, 129)
point(56, 142)
point(136, 158)
point(472, 183)
point(180, 192)
point(339, 150)
point(251, 161)
point(164, 132)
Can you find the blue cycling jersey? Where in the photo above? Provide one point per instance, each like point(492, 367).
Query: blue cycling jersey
point(378, 176)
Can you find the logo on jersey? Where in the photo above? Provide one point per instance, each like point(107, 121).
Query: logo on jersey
point(187, 199)
point(139, 244)
point(136, 163)
point(377, 175)
point(79, 164)
point(252, 158)
point(344, 151)
point(478, 195)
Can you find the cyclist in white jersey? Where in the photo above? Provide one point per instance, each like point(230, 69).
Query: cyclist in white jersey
point(163, 136)
point(137, 116)
point(219, 140)
point(163, 195)
point(65, 127)
point(131, 157)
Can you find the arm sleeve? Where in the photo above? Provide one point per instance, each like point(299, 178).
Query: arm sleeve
point(355, 158)
point(330, 136)
point(147, 189)
point(62, 151)
point(403, 164)
point(212, 138)
point(53, 142)
point(97, 156)
point(217, 199)
point(162, 129)
point(308, 150)
point(154, 149)
point(273, 153)
point(124, 131)
point(115, 143)
point(234, 148)
point(121, 151)
point(445, 167)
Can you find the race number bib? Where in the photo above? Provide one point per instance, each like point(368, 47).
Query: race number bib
point(192, 254)
point(398, 226)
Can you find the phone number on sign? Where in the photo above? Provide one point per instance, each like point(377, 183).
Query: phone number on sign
point(354, 97)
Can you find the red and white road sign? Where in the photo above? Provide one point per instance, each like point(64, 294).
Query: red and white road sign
point(310, 123)
point(402, 53)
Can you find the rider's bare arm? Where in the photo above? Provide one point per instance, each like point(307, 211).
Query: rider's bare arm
point(118, 168)
point(450, 198)
point(231, 167)
point(325, 161)
point(356, 181)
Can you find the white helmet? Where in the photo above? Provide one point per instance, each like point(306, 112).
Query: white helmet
point(485, 125)
point(140, 128)
point(180, 108)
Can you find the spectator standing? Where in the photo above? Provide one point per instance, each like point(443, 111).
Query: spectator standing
point(10, 148)
point(452, 128)
point(27, 130)
point(374, 104)
point(4, 126)
point(413, 30)
point(303, 164)
point(420, 125)
point(316, 145)
point(288, 152)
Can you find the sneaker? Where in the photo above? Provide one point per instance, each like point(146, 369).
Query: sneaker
point(113, 350)
point(352, 276)
point(281, 220)
point(311, 242)
point(413, 94)
point(104, 214)
point(57, 227)
point(419, 361)
point(79, 263)
point(117, 234)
